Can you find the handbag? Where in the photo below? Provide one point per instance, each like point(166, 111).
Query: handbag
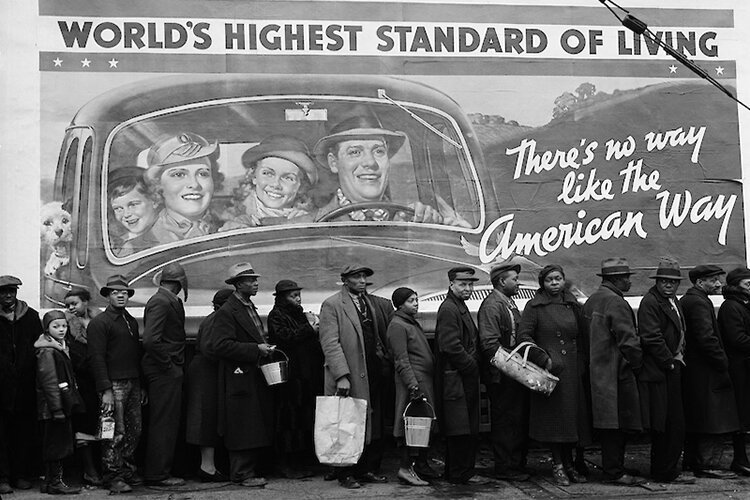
point(519, 368)
point(340, 427)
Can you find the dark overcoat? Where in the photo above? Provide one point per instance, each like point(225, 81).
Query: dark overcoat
point(659, 329)
point(563, 416)
point(163, 332)
point(18, 360)
point(457, 368)
point(343, 345)
point(202, 397)
point(413, 361)
point(245, 406)
point(708, 395)
point(734, 326)
point(615, 358)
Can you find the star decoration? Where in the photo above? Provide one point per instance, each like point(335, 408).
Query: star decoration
point(86, 63)
point(673, 69)
point(58, 62)
point(719, 71)
point(113, 63)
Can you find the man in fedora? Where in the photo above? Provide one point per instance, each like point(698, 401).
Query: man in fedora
point(710, 407)
point(457, 377)
point(115, 356)
point(615, 359)
point(164, 343)
point(19, 328)
point(359, 150)
point(353, 327)
point(498, 319)
point(238, 341)
point(661, 325)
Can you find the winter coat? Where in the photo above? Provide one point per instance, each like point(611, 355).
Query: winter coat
point(413, 361)
point(614, 361)
point(734, 326)
point(202, 398)
point(457, 368)
point(708, 395)
point(343, 345)
point(56, 388)
point(245, 402)
point(563, 416)
point(163, 332)
point(18, 360)
point(497, 325)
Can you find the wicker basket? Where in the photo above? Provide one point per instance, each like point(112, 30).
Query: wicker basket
point(520, 369)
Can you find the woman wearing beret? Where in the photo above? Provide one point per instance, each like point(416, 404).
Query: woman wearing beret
point(734, 326)
point(553, 320)
point(295, 332)
point(183, 173)
point(415, 368)
point(279, 175)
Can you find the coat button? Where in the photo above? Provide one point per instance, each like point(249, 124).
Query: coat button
point(563, 352)
point(362, 375)
point(562, 341)
point(559, 334)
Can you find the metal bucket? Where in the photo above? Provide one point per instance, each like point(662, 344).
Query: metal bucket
point(276, 372)
point(417, 428)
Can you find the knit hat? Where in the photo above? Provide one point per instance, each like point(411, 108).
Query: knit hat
point(50, 317)
point(221, 296)
point(548, 269)
point(736, 275)
point(400, 295)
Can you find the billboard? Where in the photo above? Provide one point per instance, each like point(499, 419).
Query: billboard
point(411, 136)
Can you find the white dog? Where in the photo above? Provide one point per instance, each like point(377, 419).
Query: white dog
point(56, 236)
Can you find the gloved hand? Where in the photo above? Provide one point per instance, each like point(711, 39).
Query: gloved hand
point(415, 394)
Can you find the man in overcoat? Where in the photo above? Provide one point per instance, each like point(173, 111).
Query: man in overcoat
point(615, 359)
point(238, 341)
point(19, 328)
point(498, 319)
point(353, 326)
point(661, 327)
point(164, 346)
point(457, 377)
point(710, 408)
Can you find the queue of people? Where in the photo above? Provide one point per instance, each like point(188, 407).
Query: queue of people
point(677, 370)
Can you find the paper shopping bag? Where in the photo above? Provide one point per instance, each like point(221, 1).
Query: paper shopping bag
point(340, 426)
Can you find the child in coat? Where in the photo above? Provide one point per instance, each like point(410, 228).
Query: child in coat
point(57, 400)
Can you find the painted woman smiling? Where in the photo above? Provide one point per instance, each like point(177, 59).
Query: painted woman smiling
point(183, 171)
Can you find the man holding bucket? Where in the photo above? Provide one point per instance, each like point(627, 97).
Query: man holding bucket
point(237, 340)
point(615, 359)
point(353, 338)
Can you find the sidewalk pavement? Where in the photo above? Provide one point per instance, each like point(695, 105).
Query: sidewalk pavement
point(538, 488)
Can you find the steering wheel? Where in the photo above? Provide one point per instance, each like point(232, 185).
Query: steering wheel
point(391, 208)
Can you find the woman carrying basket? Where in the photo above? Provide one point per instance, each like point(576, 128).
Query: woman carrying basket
point(415, 368)
point(553, 320)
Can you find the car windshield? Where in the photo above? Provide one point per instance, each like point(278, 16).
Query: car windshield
point(219, 168)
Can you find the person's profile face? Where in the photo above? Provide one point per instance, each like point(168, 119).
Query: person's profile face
point(294, 297)
point(187, 188)
point(411, 305)
point(57, 329)
point(135, 211)
point(76, 305)
point(247, 286)
point(711, 284)
point(276, 181)
point(462, 288)
point(356, 283)
point(509, 284)
point(362, 166)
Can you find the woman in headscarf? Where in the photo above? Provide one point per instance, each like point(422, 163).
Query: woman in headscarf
point(553, 320)
point(734, 326)
point(415, 369)
point(85, 424)
point(295, 332)
point(203, 403)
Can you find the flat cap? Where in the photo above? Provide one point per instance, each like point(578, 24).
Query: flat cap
point(461, 273)
point(704, 271)
point(9, 280)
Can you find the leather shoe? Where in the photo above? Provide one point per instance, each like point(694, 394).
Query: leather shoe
point(626, 480)
point(254, 482)
point(23, 484)
point(715, 474)
point(349, 483)
point(742, 470)
point(168, 482)
point(216, 477)
point(424, 471)
point(119, 486)
point(5, 488)
point(94, 480)
point(575, 477)
point(408, 476)
point(369, 477)
point(559, 477)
